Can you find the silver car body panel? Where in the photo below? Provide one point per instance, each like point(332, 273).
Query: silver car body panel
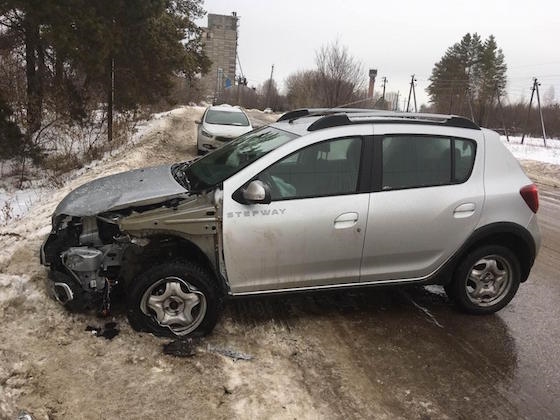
point(134, 188)
point(397, 248)
point(412, 232)
point(292, 243)
point(503, 200)
point(301, 244)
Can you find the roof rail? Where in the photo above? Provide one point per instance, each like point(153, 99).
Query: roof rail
point(384, 117)
point(308, 112)
point(334, 117)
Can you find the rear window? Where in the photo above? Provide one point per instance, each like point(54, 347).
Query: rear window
point(226, 118)
point(411, 161)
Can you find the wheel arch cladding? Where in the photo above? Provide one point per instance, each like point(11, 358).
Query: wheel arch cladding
point(175, 248)
point(510, 235)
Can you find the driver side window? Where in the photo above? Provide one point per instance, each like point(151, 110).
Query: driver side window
point(322, 169)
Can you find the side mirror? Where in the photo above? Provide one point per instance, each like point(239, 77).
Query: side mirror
point(197, 122)
point(257, 192)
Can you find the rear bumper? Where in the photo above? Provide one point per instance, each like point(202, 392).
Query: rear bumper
point(534, 230)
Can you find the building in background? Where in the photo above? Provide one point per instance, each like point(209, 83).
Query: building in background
point(220, 45)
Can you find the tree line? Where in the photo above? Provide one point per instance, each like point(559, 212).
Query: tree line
point(469, 80)
point(336, 79)
point(61, 59)
point(65, 60)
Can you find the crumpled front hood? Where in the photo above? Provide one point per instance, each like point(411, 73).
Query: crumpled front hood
point(132, 188)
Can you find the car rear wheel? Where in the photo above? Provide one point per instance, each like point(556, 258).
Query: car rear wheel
point(175, 300)
point(486, 280)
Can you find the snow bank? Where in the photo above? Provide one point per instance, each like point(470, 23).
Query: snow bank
point(534, 149)
point(16, 203)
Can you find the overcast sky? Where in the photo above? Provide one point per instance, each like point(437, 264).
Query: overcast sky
point(398, 38)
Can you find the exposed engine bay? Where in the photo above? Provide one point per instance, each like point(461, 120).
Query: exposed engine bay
point(91, 257)
point(85, 256)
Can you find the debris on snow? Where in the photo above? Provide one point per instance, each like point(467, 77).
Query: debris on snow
point(109, 331)
point(181, 348)
point(232, 354)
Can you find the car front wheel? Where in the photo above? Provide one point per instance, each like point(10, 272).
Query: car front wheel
point(486, 280)
point(175, 300)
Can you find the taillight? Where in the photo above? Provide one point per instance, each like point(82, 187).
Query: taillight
point(530, 194)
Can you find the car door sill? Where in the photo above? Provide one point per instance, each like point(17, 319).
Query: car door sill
point(332, 286)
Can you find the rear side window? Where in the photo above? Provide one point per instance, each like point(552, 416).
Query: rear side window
point(464, 159)
point(411, 161)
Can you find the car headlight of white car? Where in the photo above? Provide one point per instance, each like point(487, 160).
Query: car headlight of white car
point(205, 133)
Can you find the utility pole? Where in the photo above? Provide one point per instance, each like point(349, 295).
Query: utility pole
point(238, 80)
point(534, 88)
point(396, 107)
point(269, 86)
point(384, 84)
point(411, 92)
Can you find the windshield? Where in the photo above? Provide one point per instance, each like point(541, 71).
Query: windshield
point(234, 156)
point(226, 118)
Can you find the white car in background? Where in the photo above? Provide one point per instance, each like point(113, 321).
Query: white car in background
point(219, 125)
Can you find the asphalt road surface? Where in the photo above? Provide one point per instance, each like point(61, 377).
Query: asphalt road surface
point(410, 354)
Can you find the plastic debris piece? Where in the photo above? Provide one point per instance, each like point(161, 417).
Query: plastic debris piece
point(108, 332)
point(24, 415)
point(232, 354)
point(180, 348)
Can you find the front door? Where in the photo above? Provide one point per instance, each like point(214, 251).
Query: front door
point(312, 234)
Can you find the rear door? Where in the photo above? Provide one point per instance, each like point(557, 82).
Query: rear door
point(427, 199)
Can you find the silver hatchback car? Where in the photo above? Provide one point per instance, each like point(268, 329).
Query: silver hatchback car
point(320, 199)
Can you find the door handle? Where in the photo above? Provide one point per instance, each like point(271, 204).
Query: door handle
point(345, 220)
point(464, 210)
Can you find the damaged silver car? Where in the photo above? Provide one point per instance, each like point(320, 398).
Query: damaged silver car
point(320, 199)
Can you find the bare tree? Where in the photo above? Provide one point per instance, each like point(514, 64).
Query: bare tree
point(338, 79)
point(302, 88)
point(339, 75)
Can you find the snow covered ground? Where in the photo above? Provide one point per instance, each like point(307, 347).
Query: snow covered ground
point(15, 203)
point(533, 149)
point(52, 367)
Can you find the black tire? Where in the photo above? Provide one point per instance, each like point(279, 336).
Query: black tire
point(494, 270)
point(201, 152)
point(449, 290)
point(197, 296)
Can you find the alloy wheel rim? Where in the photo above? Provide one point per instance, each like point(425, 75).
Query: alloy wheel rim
point(489, 280)
point(174, 303)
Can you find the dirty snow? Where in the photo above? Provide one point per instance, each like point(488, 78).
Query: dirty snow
point(54, 369)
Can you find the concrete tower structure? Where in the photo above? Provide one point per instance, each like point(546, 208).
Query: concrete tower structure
point(220, 45)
